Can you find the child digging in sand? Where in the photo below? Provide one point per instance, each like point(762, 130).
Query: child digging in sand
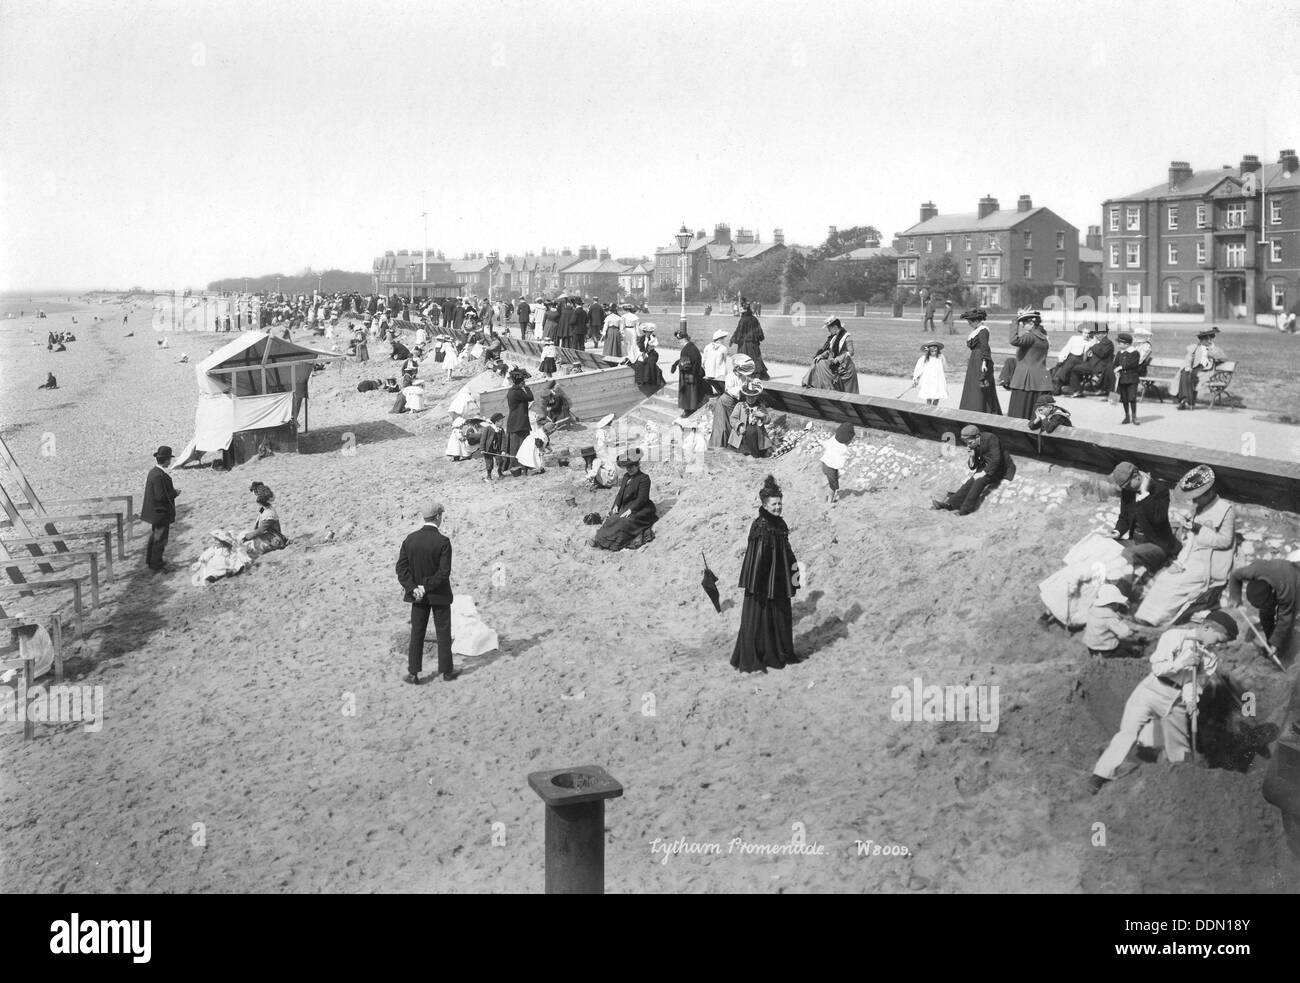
point(834, 456)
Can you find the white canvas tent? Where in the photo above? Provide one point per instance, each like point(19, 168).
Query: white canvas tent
point(248, 384)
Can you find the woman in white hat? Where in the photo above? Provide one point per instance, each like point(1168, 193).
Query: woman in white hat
point(749, 422)
point(740, 372)
point(836, 358)
point(714, 357)
point(1202, 567)
point(1030, 378)
point(930, 375)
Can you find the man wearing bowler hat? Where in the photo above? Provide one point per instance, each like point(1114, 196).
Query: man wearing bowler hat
point(424, 571)
point(158, 508)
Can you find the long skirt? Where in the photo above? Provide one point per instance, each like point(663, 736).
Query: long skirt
point(820, 376)
point(691, 394)
point(754, 350)
point(848, 381)
point(978, 397)
point(617, 533)
point(722, 420)
point(766, 639)
point(516, 440)
point(614, 343)
point(1022, 403)
point(1170, 593)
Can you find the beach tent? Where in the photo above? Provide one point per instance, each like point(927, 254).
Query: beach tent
point(248, 385)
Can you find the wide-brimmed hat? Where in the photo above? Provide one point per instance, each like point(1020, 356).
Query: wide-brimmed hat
point(832, 322)
point(223, 536)
point(932, 344)
point(1029, 314)
point(751, 389)
point(1198, 481)
point(163, 453)
point(632, 455)
point(719, 334)
point(518, 375)
point(975, 314)
point(743, 365)
point(1109, 594)
point(1207, 334)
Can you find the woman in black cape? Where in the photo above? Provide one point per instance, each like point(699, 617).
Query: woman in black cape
point(748, 339)
point(980, 392)
point(766, 639)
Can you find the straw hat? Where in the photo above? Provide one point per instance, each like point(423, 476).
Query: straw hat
point(632, 455)
point(720, 334)
point(932, 344)
point(1198, 481)
point(223, 536)
point(743, 365)
point(751, 390)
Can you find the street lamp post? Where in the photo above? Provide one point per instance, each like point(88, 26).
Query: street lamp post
point(277, 288)
point(683, 240)
point(411, 298)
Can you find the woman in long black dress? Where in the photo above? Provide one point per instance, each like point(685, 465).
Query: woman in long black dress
point(980, 392)
point(632, 516)
point(768, 575)
point(518, 426)
point(748, 339)
point(1030, 378)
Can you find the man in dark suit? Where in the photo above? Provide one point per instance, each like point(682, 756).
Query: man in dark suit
point(1144, 517)
point(458, 315)
point(988, 466)
point(424, 571)
point(158, 508)
point(595, 319)
point(579, 325)
point(564, 335)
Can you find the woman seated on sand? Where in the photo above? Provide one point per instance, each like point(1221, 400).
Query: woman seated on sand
point(632, 516)
point(740, 372)
point(266, 535)
point(225, 557)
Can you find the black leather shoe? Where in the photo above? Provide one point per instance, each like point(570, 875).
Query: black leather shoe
point(412, 678)
point(448, 677)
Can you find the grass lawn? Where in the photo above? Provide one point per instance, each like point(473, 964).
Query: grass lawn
point(1268, 362)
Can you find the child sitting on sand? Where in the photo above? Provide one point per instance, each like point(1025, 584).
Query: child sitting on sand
point(834, 456)
point(1105, 632)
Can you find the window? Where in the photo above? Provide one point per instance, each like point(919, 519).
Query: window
point(1173, 218)
point(1029, 268)
point(1133, 218)
point(929, 245)
point(991, 242)
point(1275, 211)
point(1171, 293)
point(1114, 255)
point(1132, 254)
point(966, 244)
point(1060, 269)
point(1235, 255)
point(911, 245)
point(1112, 292)
point(1200, 253)
point(907, 269)
point(1200, 292)
point(1029, 240)
point(990, 267)
point(1234, 217)
point(1114, 220)
point(1135, 295)
point(1200, 216)
point(968, 267)
point(1279, 296)
point(1275, 250)
point(947, 244)
point(1173, 253)
point(1060, 240)
point(995, 295)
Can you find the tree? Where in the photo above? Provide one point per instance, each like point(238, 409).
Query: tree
point(761, 280)
point(942, 278)
point(846, 240)
point(794, 276)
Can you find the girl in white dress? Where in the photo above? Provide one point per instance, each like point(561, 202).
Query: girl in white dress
point(931, 374)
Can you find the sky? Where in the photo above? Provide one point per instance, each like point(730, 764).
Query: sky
point(168, 144)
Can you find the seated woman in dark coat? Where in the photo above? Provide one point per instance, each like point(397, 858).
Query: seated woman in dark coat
point(266, 535)
point(632, 515)
point(768, 575)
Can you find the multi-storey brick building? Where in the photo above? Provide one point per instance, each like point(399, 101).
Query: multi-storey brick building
point(1224, 241)
point(706, 257)
point(995, 249)
point(413, 272)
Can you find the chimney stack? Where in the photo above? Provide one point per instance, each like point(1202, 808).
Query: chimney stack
point(928, 211)
point(604, 253)
point(722, 233)
point(1249, 164)
point(1024, 204)
point(832, 232)
point(778, 237)
point(1179, 172)
point(744, 237)
point(988, 205)
point(1289, 161)
point(1094, 237)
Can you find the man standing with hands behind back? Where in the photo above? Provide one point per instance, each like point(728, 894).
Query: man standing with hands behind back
point(158, 508)
point(424, 571)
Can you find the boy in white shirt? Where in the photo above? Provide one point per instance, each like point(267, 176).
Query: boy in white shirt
point(834, 456)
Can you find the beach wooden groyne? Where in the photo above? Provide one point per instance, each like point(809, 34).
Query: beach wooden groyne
point(591, 394)
point(1241, 477)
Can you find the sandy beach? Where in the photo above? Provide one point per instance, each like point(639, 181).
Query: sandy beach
point(258, 737)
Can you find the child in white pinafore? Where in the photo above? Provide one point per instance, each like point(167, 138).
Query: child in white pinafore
point(931, 374)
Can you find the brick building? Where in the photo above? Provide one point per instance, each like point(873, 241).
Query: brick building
point(412, 271)
point(707, 257)
point(995, 250)
point(1225, 241)
point(1091, 263)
